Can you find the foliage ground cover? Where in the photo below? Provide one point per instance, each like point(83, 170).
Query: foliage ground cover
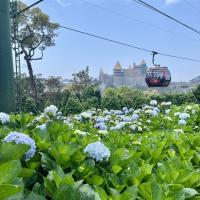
point(150, 153)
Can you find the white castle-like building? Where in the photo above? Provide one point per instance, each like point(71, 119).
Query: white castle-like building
point(133, 76)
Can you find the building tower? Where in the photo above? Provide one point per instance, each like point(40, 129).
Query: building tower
point(118, 75)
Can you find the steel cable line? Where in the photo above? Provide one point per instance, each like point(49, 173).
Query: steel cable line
point(166, 15)
point(137, 20)
point(127, 45)
point(123, 44)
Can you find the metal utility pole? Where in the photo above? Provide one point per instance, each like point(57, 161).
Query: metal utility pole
point(7, 91)
point(15, 8)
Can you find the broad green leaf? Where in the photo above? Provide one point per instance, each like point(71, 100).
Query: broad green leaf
point(66, 192)
point(33, 196)
point(8, 191)
point(116, 169)
point(9, 171)
point(101, 192)
point(11, 151)
point(189, 192)
point(130, 194)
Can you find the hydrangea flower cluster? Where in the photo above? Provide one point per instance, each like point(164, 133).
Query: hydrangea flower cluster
point(153, 103)
point(97, 151)
point(51, 110)
point(20, 138)
point(4, 118)
point(42, 127)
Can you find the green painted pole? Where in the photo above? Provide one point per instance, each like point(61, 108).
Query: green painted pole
point(7, 92)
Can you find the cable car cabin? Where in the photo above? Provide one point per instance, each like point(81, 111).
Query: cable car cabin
point(158, 77)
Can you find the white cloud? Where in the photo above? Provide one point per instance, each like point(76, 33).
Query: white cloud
point(63, 3)
point(169, 2)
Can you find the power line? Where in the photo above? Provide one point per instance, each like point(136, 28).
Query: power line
point(136, 20)
point(126, 44)
point(166, 15)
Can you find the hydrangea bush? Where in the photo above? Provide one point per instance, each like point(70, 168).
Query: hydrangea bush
point(152, 152)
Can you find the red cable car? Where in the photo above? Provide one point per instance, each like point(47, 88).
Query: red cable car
point(158, 76)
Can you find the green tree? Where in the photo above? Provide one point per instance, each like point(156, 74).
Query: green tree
point(73, 106)
point(36, 33)
point(196, 93)
point(82, 80)
point(111, 99)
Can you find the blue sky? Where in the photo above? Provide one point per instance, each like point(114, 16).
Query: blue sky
point(74, 51)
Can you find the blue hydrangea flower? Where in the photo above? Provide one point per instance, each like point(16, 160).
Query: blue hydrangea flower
point(134, 117)
point(100, 119)
point(126, 119)
point(97, 151)
point(154, 113)
point(20, 138)
point(182, 122)
point(184, 116)
point(101, 126)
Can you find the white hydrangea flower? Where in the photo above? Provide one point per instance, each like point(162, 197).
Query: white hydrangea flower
point(40, 117)
point(168, 118)
point(4, 118)
point(97, 151)
point(148, 121)
point(148, 112)
point(20, 138)
point(193, 112)
point(168, 103)
point(139, 129)
point(167, 111)
point(178, 130)
point(81, 132)
point(42, 127)
point(153, 103)
point(188, 108)
point(102, 132)
point(139, 123)
point(182, 122)
point(137, 111)
point(133, 127)
point(51, 110)
point(86, 115)
point(176, 114)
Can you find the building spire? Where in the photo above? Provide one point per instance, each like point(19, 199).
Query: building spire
point(117, 66)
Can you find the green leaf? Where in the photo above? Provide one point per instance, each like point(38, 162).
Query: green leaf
point(101, 192)
point(87, 193)
point(96, 180)
point(66, 192)
point(33, 196)
point(10, 191)
point(130, 194)
point(189, 192)
point(116, 169)
point(11, 151)
point(9, 171)
point(26, 172)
